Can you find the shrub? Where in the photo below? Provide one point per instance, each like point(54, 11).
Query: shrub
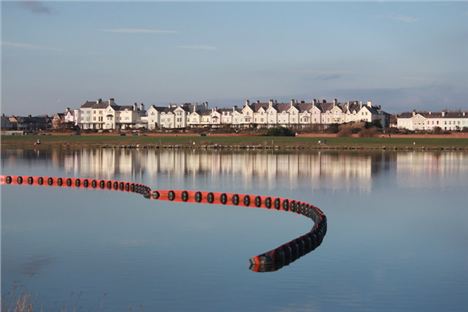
point(368, 133)
point(345, 132)
point(280, 131)
point(333, 128)
point(437, 130)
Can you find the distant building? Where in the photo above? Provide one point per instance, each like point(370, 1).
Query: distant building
point(106, 115)
point(446, 120)
point(33, 123)
point(6, 124)
point(58, 121)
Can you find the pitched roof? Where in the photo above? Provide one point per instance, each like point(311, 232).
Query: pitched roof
point(122, 108)
point(94, 104)
point(204, 112)
point(304, 107)
point(256, 106)
point(281, 107)
point(325, 107)
point(449, 114)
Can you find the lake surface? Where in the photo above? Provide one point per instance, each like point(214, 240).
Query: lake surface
point(397, 236)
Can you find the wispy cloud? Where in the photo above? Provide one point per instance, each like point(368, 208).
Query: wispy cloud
point(331, 76)
point(316, 74)
point(28, 46)
point(139, 31)
point(403, 18)
point(198, 47)
point(37, 7)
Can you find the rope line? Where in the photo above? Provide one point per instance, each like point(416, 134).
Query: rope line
point(268, 261)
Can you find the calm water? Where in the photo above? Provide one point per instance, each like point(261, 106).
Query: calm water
point(397, 235)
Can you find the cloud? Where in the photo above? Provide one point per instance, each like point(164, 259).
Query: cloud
point(28, 46)
point(403, 18)
point(139, 31)
point(317, 74)
point(37, 7)
point(198, 47)
point(35, 264)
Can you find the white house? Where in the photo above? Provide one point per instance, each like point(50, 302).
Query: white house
point(446, 120)
point(106, 115)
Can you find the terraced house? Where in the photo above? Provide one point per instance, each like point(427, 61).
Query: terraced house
point(445, 120)
point(107, 115)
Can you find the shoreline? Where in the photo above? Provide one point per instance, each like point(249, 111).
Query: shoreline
point(241, 142)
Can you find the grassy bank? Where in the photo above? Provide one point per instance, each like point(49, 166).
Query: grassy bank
point(235, 142)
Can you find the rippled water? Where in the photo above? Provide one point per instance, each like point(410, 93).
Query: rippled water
point(397, 232)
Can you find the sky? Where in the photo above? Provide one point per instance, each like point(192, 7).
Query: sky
point(402, 56)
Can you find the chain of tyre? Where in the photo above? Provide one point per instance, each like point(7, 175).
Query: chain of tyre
point(271, 260)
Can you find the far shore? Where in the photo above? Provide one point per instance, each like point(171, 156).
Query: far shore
point(310, 141)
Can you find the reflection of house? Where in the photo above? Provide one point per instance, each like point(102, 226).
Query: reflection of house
point(418, 169)
point(430, 120)
point(328, 170)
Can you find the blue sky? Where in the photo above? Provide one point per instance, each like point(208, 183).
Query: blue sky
point(401, 55)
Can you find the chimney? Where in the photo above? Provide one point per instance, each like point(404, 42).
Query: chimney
point(292, 102)
point(369, 103)
point(443, 114)
point(430, 113)
point(135, 106)
point(414, 113)
point(142, 107)
point(247, 102)
point(98, 101)
point(463, 113)
point(324, 101)
point(270, 103)
point(258, 101)
point(315, 101)
point(335, 101)
point(111, 101)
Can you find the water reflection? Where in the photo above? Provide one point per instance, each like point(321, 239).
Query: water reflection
point(333, 170)
point(270, 261)
point(421, 169)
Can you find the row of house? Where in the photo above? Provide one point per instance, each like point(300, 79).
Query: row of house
point(106, 115)
point(428, 121)
point(26, 123)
